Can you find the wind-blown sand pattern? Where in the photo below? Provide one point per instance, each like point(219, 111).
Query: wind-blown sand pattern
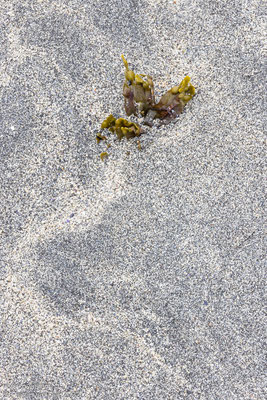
point(140, 277)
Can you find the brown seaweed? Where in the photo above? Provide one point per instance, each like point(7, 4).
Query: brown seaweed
point(100, 137)
point(137, 89)
point(138, 92)
point(139, 98)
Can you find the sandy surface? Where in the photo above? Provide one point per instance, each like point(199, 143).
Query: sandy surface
point(141, 277)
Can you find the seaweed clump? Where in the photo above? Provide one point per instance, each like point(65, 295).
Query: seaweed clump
point(121, 127)
point(137, 89)
point(139, 98)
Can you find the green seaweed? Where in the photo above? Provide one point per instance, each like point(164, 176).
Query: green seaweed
point(108, 122)
point(172, 103)
point(103, 155)
point(139, 90)
point(139, 98)
point(122, 127)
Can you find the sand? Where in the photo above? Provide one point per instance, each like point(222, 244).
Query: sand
point(140, 277)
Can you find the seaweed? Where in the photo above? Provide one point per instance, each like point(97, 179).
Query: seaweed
point(122, 127)
point(103, 155)
point(139, 145)
point(172, 103)
point(139, 98)
point(139, 90)
point(100, 137)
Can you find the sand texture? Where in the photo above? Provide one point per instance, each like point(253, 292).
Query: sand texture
point(141, 277)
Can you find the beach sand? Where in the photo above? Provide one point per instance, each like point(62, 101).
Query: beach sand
point(140, 277)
